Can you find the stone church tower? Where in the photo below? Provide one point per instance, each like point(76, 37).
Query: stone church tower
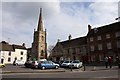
point(39, 45)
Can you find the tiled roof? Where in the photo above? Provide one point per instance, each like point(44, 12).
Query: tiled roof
point(105, 29)
point(18, 47)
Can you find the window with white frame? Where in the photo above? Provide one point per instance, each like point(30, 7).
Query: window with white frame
point(9, 53)
point(92, 48)
point(117, 34)
point(9, 59)
point(107, 36)
point(21, 52)
point(21, 58)
point(109, 45)
point(91, 39)
point(99, 46)
point(99, 37)
point(118, 44)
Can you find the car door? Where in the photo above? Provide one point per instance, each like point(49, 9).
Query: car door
point(47, 64)
point(51, 64)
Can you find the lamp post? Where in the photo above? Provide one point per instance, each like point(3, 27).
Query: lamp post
point(69, 37)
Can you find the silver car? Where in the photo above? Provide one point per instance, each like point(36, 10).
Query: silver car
point(76, 64)
point(66, 63)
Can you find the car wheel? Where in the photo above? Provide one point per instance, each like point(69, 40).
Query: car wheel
point(43, 68)
point(36, 66)
point(56, 67)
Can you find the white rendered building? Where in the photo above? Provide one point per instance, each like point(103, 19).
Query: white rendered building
point(8, 53)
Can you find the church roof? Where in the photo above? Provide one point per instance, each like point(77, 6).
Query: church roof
point(40, 24)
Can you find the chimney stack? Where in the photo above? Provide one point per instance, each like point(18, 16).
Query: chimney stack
point(58, 40)
point(69, 37)
point(89, 28)
point(23, 44)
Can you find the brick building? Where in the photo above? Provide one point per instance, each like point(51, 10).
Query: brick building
point(70, 49)
point(103, 41)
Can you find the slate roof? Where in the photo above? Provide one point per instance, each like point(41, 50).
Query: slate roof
point(18, 47)
point(4, 46)
point(74, 42)
point(105, 29)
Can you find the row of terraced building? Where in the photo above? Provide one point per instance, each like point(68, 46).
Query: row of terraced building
point(98, 43)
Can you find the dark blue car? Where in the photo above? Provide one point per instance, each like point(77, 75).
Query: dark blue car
point(48, 65)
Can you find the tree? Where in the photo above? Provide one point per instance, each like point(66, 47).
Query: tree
point(50, 47)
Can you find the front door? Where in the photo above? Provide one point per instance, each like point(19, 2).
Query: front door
point(2, 61)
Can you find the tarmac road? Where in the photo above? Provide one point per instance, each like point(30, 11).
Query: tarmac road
point(87, 74)
point(91, 73)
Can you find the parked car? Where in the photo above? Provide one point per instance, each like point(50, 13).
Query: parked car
point(58, 62)
point(75, 64)
point(48, 65)
point(28, 64)
point(18, 62)
point(66, 63)
point(35, 63)
point(2, 65)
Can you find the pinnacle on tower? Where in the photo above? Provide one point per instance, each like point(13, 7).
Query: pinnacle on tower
point(40, 25)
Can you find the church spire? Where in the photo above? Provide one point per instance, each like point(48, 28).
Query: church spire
point(40, 24)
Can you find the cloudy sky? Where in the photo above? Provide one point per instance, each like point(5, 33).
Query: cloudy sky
point(60, 18)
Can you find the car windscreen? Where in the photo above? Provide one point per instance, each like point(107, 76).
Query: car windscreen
point(76, 62)
point(66, 62)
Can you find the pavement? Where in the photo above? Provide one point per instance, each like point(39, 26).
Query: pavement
point(98, 68)
point(32, 71)
point(83, 69)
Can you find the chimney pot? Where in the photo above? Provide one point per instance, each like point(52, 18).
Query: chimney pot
point(89, 28)
point(23, 44)
point(69, 37)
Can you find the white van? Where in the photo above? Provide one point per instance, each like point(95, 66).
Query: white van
point(18, 62)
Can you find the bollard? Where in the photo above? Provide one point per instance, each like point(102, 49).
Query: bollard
point(94, 68)
point(84, 67)
point(119, 65)
point(71, 67)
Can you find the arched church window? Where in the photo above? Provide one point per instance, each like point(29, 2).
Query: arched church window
point(42, 52)
point(42, 38)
